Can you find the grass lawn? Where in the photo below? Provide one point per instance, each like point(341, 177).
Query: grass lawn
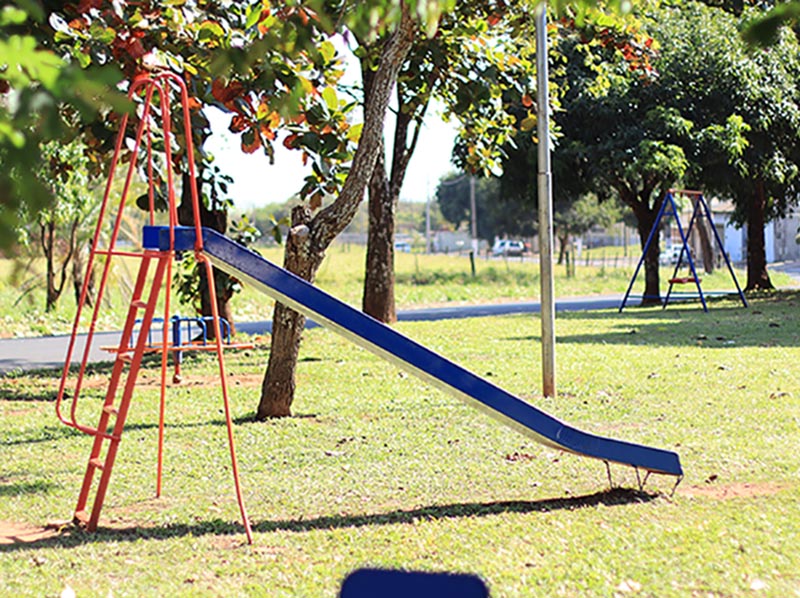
point(378, 469)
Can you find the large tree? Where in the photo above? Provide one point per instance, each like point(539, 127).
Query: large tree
point(271, 67)
point(745, 108)
point(468, 61)
point(621, 134)
point(310, 236)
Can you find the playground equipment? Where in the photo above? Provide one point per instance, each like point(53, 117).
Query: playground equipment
point(184, 334)
point(163, 242)
point(700, 210)
point(154, 93)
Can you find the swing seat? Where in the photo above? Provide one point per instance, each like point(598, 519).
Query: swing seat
point(685, 280)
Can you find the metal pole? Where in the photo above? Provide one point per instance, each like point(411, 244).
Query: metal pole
point(428, 220)
point(545, 192)
point(474, 215)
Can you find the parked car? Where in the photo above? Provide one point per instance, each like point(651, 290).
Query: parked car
point(670, 255)
point(402, 246)
point(507, 247)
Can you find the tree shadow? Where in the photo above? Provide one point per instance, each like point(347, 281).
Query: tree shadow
point(27, 396)
point(60, 432)
point(71, 537)
point(45, 434)
point(17, 488)
point(726, 327)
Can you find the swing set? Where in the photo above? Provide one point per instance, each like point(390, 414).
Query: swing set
point(700, 210)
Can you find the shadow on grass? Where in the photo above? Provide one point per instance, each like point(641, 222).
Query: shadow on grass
point(17, 488)
point(727, 327)
point(60, 432)
point(72, 537)
point(27, 396)
point(45, 434)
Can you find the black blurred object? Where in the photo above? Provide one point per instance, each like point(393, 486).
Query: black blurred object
point(382, 583)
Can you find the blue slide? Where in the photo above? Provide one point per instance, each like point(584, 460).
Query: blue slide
point(389, 344)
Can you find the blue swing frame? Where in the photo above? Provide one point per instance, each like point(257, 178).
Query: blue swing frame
point(670, 208)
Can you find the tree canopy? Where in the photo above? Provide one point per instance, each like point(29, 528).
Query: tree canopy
point(743, 106)
point(497, 215)
point(36, 85)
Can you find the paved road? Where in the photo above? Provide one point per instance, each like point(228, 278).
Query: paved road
point(22, 354)
point(791, 268)
point(49, 351)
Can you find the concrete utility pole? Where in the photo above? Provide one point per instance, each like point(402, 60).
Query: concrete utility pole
point(428, 219)
point(473, 211)
point(545, 191)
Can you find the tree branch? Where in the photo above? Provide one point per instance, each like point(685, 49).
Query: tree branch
point(331, 220)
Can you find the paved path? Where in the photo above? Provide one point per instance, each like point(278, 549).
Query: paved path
point(791, 268)
point(49, 351)
point(22, 354)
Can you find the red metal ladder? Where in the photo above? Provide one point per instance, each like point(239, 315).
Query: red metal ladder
point(146, 293)
point(114, 412)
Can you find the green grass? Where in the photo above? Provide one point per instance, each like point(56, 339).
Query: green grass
point(422, 280)
point(379, 469)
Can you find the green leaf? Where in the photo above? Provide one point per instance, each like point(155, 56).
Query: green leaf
point(33, 8)
point(10, 134)
point(354, 132)
point(253, 14)
point(331, 100)
point(102, 34)
point(528, 123)
point(209, 30)
point(11, 15)
point(327, 50)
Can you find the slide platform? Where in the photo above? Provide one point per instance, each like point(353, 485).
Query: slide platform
point(408, 354)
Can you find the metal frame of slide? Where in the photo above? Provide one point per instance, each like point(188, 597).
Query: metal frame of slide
point(406, 353)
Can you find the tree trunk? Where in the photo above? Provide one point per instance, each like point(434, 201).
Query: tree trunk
point(757, 275)
point(645, 219)
point(704, 235)
point(306, 243)
point(563, 242)
point(48, 247)
point(79, 274)
point(384, 193)
point(216, 219)
point(378, 299)
point(287, 325)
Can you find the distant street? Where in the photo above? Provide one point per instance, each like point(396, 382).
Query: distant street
point(23, 354)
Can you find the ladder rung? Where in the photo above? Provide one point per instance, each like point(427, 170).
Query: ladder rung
point(81, 517)
point(97, 462)
point(139, 303)
point(111, 410)
point(125, 356)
